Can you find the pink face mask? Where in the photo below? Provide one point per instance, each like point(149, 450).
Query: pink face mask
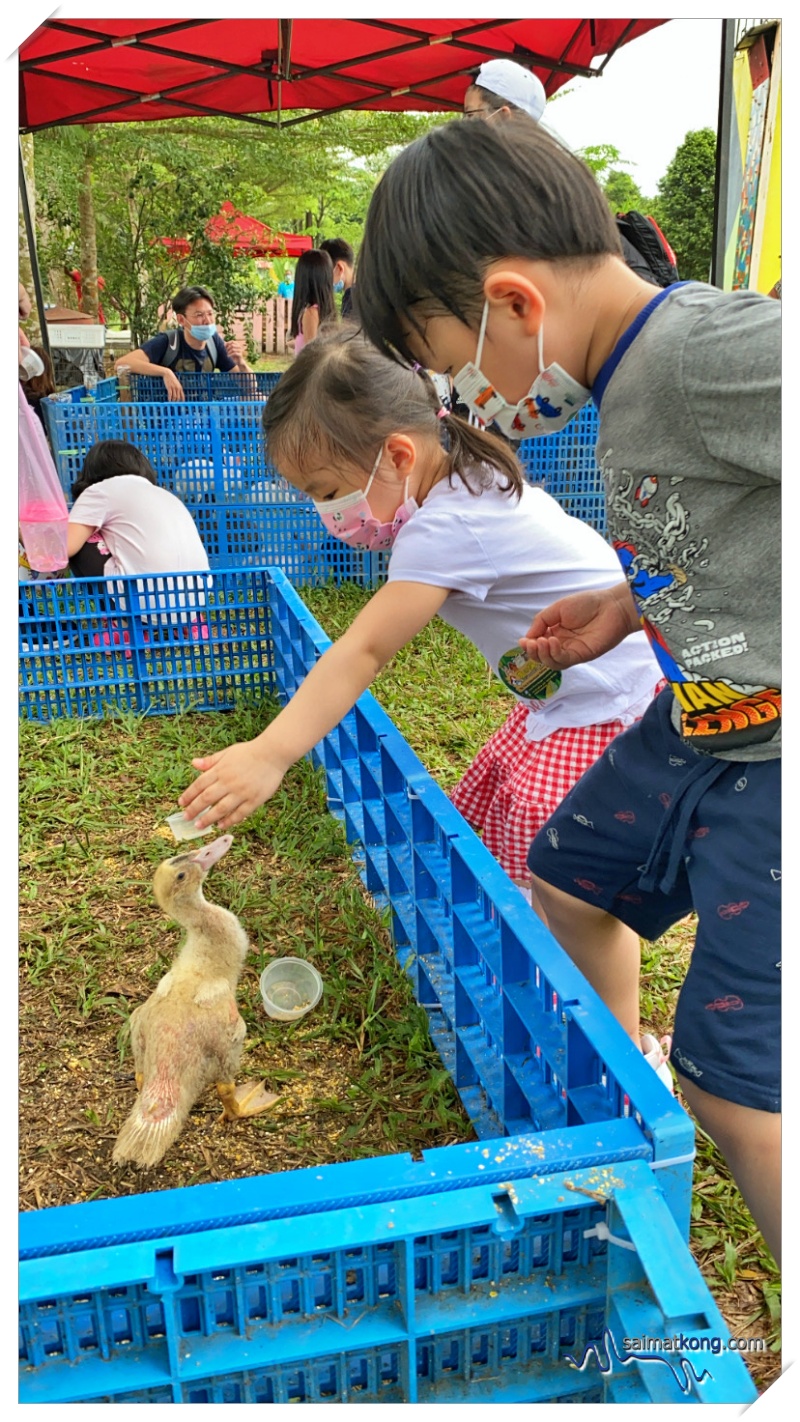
point(352, 521)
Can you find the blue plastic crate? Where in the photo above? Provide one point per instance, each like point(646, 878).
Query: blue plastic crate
point(471, 1275)
point(208, 385)
point(565, 463)
point(212, 456)
point(419, 1284)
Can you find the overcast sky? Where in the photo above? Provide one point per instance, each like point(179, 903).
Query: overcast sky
point(654, 91)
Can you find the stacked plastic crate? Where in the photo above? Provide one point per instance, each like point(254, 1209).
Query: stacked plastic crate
point(209, 450)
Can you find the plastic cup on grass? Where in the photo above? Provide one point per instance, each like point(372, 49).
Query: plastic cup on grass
point(290, 987)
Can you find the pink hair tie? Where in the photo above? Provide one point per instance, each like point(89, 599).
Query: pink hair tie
point(441, 413)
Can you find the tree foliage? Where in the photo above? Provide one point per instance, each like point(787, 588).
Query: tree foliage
point(685, 205)
point(166, 179)
point(623, 193)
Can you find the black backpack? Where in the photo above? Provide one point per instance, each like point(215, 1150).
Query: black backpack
point(646, 249)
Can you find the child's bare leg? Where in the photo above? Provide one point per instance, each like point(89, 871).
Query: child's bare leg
point(750, 1141)
point(607, 952)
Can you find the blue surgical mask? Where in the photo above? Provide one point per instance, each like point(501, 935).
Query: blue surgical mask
point(203, 333)
point(338, 286)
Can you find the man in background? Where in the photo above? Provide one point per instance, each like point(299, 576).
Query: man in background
point(196, 345)
point(343, 258)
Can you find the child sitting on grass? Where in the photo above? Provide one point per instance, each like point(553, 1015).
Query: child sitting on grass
point(123, 522)
point(145, 528)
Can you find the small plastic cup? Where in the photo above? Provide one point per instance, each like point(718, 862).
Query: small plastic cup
point(186, 829)
point(290, 987)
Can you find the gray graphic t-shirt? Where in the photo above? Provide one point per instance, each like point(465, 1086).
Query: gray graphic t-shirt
point(689, 445)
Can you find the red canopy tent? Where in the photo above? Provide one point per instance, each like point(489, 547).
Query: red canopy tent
point(116, 71)
point(120, 71)
point(250, 238)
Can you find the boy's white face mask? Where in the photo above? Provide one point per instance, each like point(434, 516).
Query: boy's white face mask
point(550, 404)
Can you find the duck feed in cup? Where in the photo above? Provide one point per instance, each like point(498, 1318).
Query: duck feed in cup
point(290, 987)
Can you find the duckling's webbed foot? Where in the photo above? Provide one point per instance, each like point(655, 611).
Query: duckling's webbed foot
point(244, 1100)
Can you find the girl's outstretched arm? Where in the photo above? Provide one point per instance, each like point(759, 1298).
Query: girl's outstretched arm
point(235, 781)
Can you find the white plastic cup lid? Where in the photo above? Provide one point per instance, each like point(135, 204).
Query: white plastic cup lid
point(186, 829)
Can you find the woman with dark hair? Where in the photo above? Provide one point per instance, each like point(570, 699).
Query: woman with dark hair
point(312, 303)
point(120, 508)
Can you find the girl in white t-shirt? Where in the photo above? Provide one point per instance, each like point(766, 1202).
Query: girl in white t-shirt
point(123, 522)
point(388, 468)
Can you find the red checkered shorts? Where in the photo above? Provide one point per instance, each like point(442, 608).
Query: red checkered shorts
point(514, 785)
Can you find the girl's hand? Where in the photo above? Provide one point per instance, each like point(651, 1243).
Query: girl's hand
point(581, 627)
point(233, 784)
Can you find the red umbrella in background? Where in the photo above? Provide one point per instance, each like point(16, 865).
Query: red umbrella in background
point(250, 238)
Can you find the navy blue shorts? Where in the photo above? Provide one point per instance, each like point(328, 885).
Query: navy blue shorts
point(654, 830)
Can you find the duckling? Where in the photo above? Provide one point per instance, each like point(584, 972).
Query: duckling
point(189, 1035)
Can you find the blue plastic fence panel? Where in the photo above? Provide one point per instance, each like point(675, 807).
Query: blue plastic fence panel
point(208, 385)
point(475, 1292)
point(527, 1042)
point(152, 644)
point(212, 457)
point(565, 463)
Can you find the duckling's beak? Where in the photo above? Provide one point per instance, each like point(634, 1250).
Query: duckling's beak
point(211, 853)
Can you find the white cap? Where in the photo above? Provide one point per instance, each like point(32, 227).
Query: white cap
point(518, 86)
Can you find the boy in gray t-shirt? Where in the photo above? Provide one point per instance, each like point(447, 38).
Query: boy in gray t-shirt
point(490, 254)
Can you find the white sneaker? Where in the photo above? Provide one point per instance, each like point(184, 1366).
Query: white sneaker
point(657, 1054)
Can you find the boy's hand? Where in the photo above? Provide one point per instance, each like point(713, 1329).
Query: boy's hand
point(235, 350)
point(581, 627)
point(173, 385)
point(233, 784)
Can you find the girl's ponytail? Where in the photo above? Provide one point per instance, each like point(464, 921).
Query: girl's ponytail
point(472, 447)
point(341, 398)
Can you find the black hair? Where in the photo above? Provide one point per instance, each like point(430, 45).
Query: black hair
point(313, 286)
point(109, 458)
point(189, 294)
point(338, 250)
point(342, 397)
point(44, 384)
point(460, 198)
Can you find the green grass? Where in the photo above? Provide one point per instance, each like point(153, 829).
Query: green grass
point(359, 1076)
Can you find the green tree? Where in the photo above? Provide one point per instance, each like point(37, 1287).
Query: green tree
point(601, 158)
point(165, 180)
point(623, 193)
point(685, 206)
